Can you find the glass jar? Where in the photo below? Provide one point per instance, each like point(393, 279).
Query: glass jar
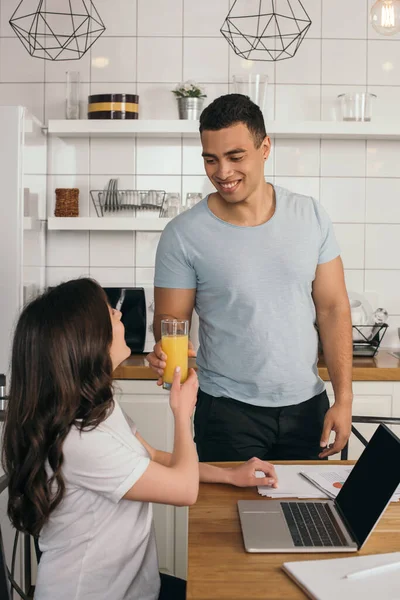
point(356, 106)
point(72, 95)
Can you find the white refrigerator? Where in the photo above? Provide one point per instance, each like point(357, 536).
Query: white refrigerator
point(23, 164)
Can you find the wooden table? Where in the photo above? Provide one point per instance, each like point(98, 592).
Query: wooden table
point(220, 568)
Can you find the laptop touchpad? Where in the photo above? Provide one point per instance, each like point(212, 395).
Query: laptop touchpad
point(266, 529)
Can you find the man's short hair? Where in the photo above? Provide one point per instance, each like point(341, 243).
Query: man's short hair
point(231, 109)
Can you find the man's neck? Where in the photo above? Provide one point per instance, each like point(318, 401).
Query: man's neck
point(255, 210)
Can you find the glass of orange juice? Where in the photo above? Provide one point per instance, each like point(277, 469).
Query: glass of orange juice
point(175, 344)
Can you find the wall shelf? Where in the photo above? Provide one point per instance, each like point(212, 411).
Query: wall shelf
point(119, 128)
point(178, 128)
point(106, 224)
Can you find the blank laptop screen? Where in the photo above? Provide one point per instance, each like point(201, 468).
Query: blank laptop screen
point(371, 483)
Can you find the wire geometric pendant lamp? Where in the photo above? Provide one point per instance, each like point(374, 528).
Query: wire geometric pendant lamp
point(266, 29)
point(57, 29)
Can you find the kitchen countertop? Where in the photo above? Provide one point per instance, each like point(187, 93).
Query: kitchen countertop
point(382, 367)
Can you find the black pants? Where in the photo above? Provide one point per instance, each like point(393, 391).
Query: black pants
point(229, 430)
point(172, 588)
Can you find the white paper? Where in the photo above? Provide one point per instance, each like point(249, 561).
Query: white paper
point(292, 485)
point(332, 479)
point(325, 579)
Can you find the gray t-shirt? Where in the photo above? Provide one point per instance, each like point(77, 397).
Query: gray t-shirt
point(258, 342)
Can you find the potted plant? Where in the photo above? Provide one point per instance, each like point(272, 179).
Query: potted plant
point(190, 98)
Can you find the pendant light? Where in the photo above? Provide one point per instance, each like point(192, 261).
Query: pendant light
point(266, 30)
point(385, 17)
point(57, 29)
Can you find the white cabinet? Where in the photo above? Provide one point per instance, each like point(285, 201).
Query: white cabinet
point(148, 406)
point(371, 398)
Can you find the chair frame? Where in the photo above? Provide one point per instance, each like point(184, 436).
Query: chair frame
point(27, 558)
point(371, 420)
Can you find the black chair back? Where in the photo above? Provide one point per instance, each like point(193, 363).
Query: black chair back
point(374, 420)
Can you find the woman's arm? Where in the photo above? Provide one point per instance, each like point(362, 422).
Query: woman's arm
point(241, 476)
point(176, 479)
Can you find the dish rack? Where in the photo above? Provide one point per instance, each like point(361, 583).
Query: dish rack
point(133, 202)
point(366, 339)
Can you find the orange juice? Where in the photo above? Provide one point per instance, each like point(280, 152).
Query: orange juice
point(176, 348)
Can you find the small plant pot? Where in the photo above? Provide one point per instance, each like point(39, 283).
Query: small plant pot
point(190, 108)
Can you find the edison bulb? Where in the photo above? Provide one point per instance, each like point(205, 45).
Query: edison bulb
point(385, 16)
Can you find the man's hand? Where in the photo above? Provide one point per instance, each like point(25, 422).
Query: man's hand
point(337, 419)
point(245, 475)
point(157, 360)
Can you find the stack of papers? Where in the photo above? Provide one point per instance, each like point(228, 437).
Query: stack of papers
point(310, 481)
point(291, 484)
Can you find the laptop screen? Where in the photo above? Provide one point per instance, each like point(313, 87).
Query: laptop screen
point(371, 483)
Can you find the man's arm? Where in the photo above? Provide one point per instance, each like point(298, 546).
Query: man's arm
point(334, 323)
point(169, 303)
point(172, 303)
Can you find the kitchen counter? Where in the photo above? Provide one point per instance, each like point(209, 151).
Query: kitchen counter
point(382, 367)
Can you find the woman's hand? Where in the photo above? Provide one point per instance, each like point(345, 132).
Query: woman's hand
point(245, 475)
point(157, 359)
point(183, 398)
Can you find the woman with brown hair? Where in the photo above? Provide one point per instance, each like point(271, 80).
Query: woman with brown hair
point(80, 475)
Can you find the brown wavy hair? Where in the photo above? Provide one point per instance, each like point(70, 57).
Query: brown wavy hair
point(61, 375)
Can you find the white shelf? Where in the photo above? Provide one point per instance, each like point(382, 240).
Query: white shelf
point(106, 224)
point(177, 128)
point(122, 128)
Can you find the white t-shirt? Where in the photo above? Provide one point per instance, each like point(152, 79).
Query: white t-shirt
point(96, 545)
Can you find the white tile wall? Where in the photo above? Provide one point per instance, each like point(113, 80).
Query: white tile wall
point(116, 156)
point(159, 59)
point(111, 249)
point(343, 19)
point(383, 158)
point(154, 22)
point(297, 157)
point(309, 186)
point(197, 21)
point(343, 158)
point(344, 198)
point(147, 49)
point(344, 62)
point(298, 102)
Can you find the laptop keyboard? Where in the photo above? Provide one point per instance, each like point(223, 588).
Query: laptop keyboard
point(310, 524)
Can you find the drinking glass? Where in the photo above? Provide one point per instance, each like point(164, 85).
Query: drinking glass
point(254, 85)
point(356, 107)
point(72, 95)
point(192, 198)
point(172, 205)
point(175, 344)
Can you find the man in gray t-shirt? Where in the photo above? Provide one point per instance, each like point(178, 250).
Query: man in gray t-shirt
point(260, 265)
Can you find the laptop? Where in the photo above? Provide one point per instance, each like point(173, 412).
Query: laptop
point(340, 525)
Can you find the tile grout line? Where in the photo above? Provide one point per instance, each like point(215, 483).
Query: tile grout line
point(366, 158)
point(182, 77)
point(320, 107)
point(136, 138)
